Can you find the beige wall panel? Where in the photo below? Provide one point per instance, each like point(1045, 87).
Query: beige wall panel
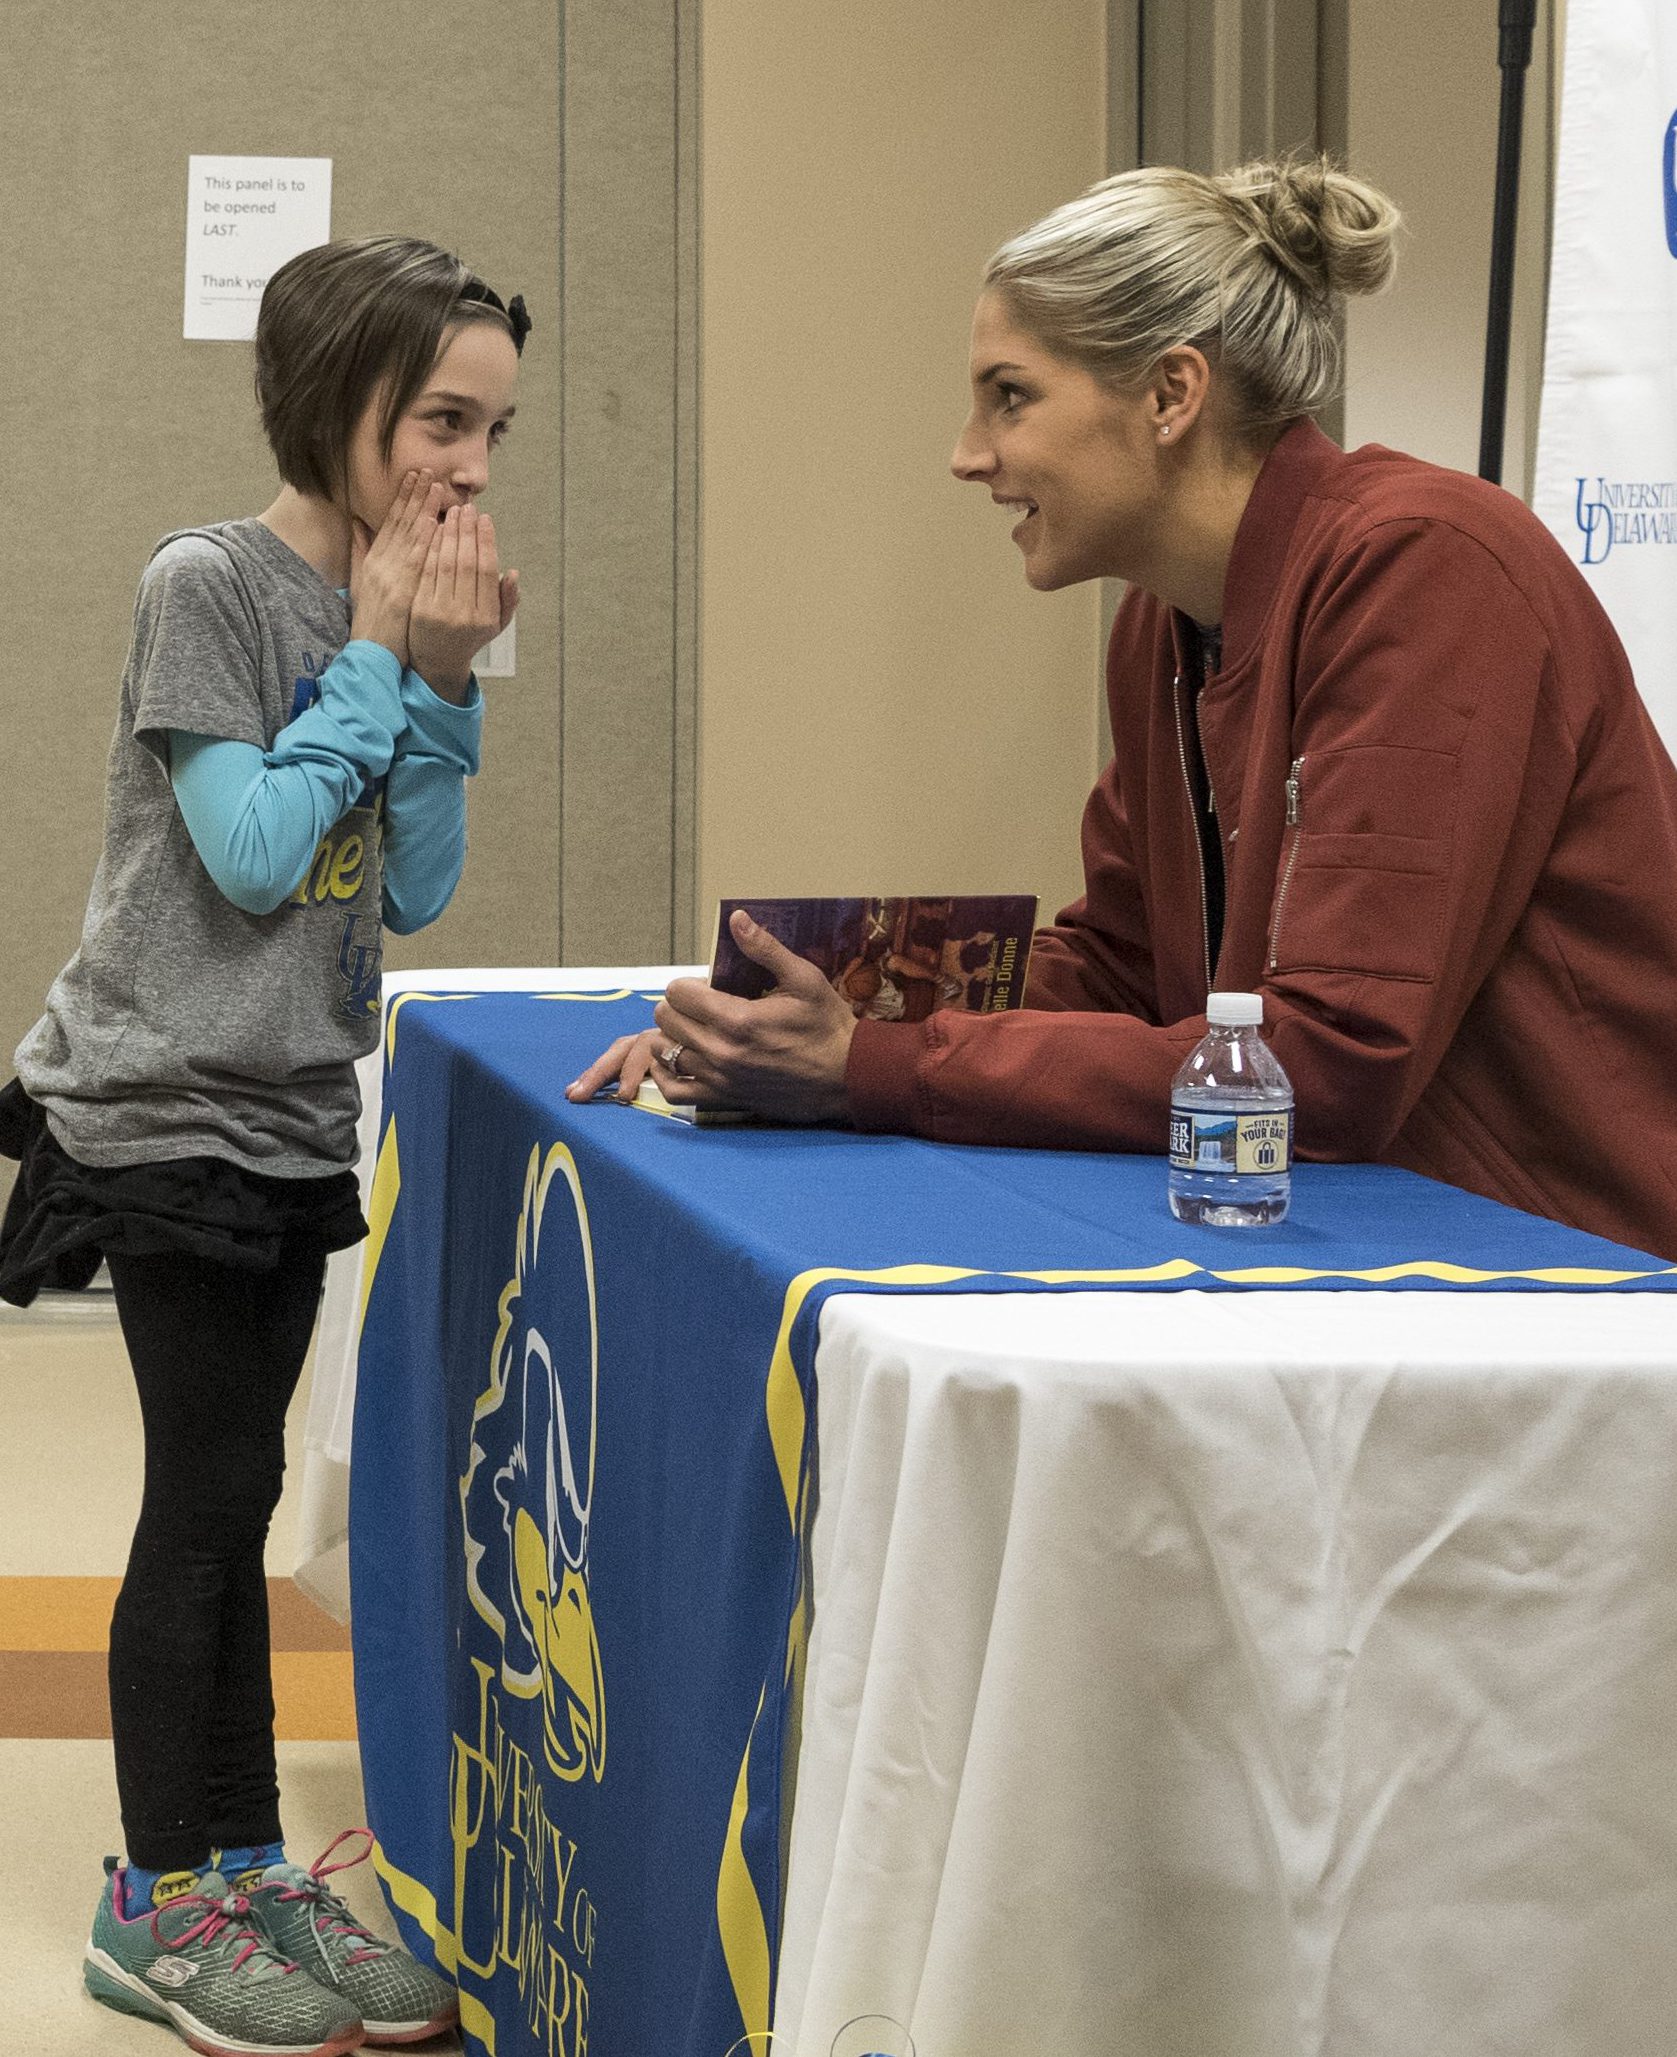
point(440, 123)
point(885, 703)
point(1422, 124)
point(631, 222)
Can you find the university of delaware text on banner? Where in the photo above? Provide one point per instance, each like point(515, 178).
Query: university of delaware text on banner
point(1606, 481)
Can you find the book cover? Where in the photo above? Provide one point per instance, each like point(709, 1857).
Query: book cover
point(893, 959)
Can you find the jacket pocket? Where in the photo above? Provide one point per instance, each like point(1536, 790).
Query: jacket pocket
point(1363, 879)
point(1370, 904)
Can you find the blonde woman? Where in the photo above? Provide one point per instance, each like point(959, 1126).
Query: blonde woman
point(1378, 753)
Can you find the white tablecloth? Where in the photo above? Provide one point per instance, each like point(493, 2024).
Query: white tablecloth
point(1241, 1675)
point(1215, 1674)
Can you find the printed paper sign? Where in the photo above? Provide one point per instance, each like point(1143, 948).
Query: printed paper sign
point(244, 217)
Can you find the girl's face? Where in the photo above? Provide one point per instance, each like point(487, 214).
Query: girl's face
point(454, 424)
point(1075, 460)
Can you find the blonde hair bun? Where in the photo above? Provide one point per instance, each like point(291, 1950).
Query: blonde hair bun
point(1331, 231)
point(1248, 267)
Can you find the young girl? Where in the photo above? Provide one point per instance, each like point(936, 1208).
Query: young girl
point(298, 718)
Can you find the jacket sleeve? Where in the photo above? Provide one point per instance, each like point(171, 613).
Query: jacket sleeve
point(1435, 762)
point(1097, 955)
point(425, 804)
point(1434, 765)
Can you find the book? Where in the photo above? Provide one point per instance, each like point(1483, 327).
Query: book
point(893, 959)
point(897, 959)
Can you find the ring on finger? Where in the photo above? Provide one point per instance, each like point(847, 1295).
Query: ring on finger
point(670, 1059)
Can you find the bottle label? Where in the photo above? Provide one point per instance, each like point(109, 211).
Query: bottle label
point(1224, 1141)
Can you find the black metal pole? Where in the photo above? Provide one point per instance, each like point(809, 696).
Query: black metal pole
point(1516, 20)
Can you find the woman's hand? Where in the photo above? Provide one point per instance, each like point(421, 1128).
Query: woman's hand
point(625, 1064)
point(385, 570)
point(462, 602)
point(782, 1056)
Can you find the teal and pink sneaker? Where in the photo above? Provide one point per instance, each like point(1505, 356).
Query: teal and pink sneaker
point(199, 1964)
point(299, 1915)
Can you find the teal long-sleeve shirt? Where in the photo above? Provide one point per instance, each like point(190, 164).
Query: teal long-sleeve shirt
point(256, 816)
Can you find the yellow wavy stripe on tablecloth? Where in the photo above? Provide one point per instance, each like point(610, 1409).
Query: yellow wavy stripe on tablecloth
point(1444, 1271)
point(784, 1396)
point(393, 1013)
point(1440, 1268)
point(739, 1911)
point(381, 1211)
point(420, 1905)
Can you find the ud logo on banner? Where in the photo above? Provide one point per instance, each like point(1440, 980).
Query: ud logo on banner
point(1616, 512)
point(537, 1718)
point(1605, 482)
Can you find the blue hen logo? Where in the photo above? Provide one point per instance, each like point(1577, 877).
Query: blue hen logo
point(527, 1493)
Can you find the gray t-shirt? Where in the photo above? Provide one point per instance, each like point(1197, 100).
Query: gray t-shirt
point(182, 1026)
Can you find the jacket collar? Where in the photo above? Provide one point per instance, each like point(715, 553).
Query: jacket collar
point(1299, 461)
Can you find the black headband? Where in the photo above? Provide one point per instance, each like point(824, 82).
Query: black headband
point(517, 314)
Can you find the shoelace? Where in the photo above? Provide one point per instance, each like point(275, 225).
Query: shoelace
point(217, 1915)
point(335, 1915)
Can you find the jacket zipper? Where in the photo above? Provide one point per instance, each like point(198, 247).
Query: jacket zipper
point(1193, 816)
point(1294, 785)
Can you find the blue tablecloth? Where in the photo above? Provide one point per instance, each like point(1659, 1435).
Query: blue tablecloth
point(581, 1452)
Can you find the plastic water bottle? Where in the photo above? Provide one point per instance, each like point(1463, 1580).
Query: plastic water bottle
point(1231, 1123)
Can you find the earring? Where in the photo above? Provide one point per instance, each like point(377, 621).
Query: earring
point(1165, 431)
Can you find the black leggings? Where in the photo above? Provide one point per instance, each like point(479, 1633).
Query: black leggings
point(216, 1355)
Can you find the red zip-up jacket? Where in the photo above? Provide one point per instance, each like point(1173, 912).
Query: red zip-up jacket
point(1449, 834)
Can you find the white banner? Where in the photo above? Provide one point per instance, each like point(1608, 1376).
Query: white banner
point(1606, 480)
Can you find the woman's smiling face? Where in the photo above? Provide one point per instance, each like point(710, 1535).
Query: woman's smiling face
point(1077, 460)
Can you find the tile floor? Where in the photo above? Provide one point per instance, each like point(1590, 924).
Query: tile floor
point(69, 1488)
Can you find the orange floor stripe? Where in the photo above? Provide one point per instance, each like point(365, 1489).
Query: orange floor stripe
point(53, 1634)
point(314, 1696)
point(61, 1695)
point(55, 1613)
point(56, 1695)
point(75, 1614)
point(296, 1623)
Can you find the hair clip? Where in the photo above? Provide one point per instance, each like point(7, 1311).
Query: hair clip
point(517, 314)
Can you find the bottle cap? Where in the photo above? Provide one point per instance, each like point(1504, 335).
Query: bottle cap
point(1235, 1010)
